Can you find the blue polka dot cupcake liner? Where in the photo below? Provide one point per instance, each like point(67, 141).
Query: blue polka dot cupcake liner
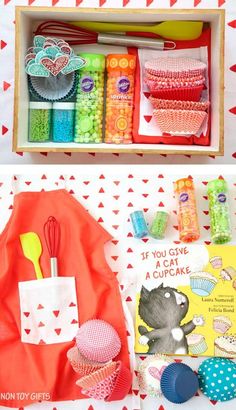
point(201, 287)
point(217, 379)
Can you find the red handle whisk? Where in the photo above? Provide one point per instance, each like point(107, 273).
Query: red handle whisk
point(75, 35)
point(52, 234)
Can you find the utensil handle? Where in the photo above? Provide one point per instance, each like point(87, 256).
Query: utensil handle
point(54, 267)
point(133, 41)
point(110, 27)
point(38, 271)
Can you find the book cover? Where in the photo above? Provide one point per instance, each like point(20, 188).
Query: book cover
point(186, 300)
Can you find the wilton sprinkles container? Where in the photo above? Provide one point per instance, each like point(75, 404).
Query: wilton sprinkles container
point(217, 191)
point(179, 122)
point(40, 121)
point(89, 100)
point(120, 98)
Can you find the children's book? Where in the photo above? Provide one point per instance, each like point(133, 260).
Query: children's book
point(186, 300)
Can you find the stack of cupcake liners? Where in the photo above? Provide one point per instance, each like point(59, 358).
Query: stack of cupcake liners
point(101, 377)
point(176, 86)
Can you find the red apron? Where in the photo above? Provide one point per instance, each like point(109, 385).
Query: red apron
point(45, 369)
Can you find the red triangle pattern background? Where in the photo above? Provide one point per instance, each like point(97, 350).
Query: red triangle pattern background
point(6, 79)
point(117, 190)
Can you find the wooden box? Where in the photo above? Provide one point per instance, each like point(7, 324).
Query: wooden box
point(27, 19)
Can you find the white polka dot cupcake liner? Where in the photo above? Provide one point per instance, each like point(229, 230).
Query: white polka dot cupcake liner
point(202, 284)
point(175, 67)
point(179, 105)
point(179, 122)
point(182, 93)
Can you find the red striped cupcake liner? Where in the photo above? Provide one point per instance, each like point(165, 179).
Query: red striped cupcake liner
point(175, 67)
point(98, 376)
point(179, 122)
point(80, 364)
point(179, 105)
point(182, 93)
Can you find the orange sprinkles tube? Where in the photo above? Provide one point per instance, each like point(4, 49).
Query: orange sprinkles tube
point(120, 96)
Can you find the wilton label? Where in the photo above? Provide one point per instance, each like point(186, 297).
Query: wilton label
point(123, 85)
point(86, 84)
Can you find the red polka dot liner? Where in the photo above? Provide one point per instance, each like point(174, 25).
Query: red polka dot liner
point(98, 341)
point(156, 85)
point(174, 80)
point(179, 122)
point(181, 93)
point(179, 105)
point(175, 67)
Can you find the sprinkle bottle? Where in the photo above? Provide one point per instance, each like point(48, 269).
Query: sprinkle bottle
point(217, 191)
point(187, 211)
point(63, 122)
point(159, 225)
point(120, 98)
point(139, 224)
point(40, 121)
point(90, 100)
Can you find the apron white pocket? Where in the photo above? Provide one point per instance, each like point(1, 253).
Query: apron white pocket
point(49, 312)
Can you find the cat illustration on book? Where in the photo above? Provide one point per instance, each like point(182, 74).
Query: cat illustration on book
point(163, 309)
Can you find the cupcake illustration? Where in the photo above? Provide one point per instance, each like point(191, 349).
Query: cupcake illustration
point(202, 283)
point(228, 273)
point(196, 343)
point(225, 346)
point(221, 324)
point(216, 262)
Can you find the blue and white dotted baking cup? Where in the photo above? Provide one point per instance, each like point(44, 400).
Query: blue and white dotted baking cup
point(179, 383)
point(64, 87)
point(217, 378)
point(201, 287)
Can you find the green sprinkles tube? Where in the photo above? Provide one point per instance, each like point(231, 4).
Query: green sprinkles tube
point(90, 100)
point(159, 225)
point(219, 211)
point(40, 120)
